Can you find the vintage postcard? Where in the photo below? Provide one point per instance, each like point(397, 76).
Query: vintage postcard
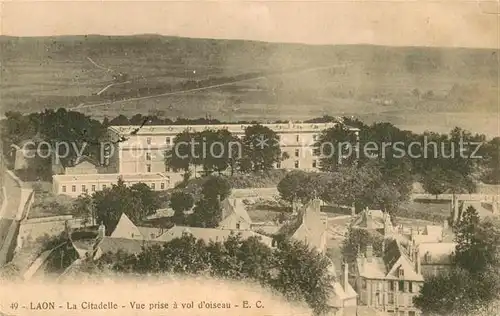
point(250, 158)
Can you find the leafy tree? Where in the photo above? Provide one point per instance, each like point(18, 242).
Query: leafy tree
point(299, 186)
point(477, 242)
point(182, 154)
point(83, 208)
point(312, 284)
point(458, 293)
point(110, 203)
point(216, 187)
point(207, 213)
point(180, 202)
point(261, 148)
point(336, 147)
point(357, 240)
point(439, 181)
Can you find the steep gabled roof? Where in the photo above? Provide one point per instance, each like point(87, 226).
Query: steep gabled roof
point(235, 207)
point(312, 228)
point(126, 229)
point(129, 246)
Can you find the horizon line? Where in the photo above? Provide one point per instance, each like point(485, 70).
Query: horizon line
point(245, 40)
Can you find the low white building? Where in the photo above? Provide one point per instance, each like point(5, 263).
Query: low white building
point(76, 184)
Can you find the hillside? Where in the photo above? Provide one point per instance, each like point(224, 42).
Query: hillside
point(257, 80)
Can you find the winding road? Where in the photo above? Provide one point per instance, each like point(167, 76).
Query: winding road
point(86, 106)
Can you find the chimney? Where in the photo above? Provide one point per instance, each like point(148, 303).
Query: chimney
point(345, 276)
point(369, 253)
point(417, 261)
point(101, 231)
point(353, 210)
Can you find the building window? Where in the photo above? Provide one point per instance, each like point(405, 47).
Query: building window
point(401, 286)
point(411, 313)
point(401, 273)
point(315, 137)
point(278, 165)
point(315, 164)
point(64, 188)
point(410, 287)
point(391, 286)
point(162, 186)
point(148, 168)
point(152, 186)
point(297, 152)
point(168, 140)
point(93, 188)
point(103, 186)
point(148, 140)
point(84, 188)
point(73, 188)
point(167, 169)
point(296, 164)
point(363, 284)
point(390, 298)
point(297, 138)
point(237, 225)
point(148, 156)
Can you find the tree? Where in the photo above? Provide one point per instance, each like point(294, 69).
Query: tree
point(357, 240)
point(110, 203)
point(336, 147)
point(261, 148)
point(458, 293)
point(299, 186)
point(181, 202)
point(477, 243)
point(83, 208)
point(207, 213)
point(439, 181)
point(182, 154)
point(216, 187)
point(312, 284)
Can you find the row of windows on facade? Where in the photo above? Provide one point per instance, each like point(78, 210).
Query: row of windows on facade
point(297, 154)
point(169, 139)
point(104, 186)
point(393, 285)
point(297, 164)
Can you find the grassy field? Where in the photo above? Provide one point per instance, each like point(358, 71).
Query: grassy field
point(414, 88)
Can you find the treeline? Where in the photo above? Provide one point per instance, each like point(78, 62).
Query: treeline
point(292, 269)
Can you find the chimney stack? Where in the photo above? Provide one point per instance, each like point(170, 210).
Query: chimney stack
point(101, 231)
point(369, 253)
point(417, 260)
point(345, 276)
point(353, 210)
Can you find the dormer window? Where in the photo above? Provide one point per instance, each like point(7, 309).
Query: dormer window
point(427, 257)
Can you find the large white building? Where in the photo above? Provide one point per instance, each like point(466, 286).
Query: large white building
point(139, 153)
point(144, 151)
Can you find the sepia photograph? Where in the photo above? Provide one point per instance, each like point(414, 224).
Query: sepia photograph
point(250, 158)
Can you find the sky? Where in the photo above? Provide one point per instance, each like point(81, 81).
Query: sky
point(448, 23)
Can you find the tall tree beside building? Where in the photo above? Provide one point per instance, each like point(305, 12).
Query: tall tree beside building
point(110, 203)
point(478, 243)
point(182, 155)
point(207, 213)
point(216, 187)
point(261, 148)
point(473, 285)
point(300, 186)
point(180, 202)
point(336, 147)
